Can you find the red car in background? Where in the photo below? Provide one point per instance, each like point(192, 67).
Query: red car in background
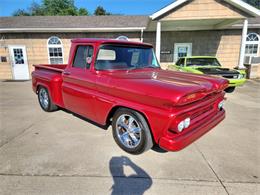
point(120, 83)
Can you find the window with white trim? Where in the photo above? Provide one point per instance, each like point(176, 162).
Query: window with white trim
point(252, 44)
point(55, 50)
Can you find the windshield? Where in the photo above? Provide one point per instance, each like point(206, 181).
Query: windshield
point(118, 57)
point(202, 62)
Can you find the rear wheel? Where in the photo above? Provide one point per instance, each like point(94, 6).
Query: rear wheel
point(45, 100)
point(230, 89)
point(131, 131)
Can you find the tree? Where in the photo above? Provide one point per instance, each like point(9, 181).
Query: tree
point(21, 12)
point(100, 11)
point(82, 12)
point(255, 3)
point(36, 9)
point(59, 7)
point(52, 8)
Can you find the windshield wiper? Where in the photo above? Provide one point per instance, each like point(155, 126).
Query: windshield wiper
point(132, 68)
point(140, 67)
point(151, 66)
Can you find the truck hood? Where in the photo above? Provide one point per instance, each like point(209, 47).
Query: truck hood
point(171, 87)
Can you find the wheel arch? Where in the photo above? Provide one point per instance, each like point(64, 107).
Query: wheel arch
point(41, 85)
point(45, 86)
point(117, 107)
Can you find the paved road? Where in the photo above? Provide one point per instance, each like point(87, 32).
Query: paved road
point(59, 153)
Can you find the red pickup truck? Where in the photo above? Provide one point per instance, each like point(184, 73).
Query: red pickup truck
point(120, 83)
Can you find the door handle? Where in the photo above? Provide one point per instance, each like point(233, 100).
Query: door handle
point(66, 73)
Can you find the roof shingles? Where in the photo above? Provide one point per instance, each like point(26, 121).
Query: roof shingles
point(73, 22)
point(86, 22)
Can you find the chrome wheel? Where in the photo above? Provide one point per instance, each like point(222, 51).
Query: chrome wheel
point(44, 98)
point(128, 131)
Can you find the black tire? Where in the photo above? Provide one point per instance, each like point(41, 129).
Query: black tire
point(145, 137)
point(47, 106)
point(230, 89)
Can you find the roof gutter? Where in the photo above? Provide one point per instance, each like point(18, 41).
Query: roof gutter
point(245, 7)
point(124, 29)
point(237, 3)
point(166, 9)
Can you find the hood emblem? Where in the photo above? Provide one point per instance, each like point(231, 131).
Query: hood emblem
point(154, 75)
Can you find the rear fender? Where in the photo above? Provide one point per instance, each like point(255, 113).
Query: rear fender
point(41, 84)
point(54, 89)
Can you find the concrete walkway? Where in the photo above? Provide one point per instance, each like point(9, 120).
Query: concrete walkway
point(59, 153)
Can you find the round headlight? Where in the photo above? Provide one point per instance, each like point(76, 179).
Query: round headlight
point(220, 105)
point(186, 122)
point(181, 126)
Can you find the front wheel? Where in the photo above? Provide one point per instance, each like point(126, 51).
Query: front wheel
point(131, 131)
point(45, 100)
point(230, 89)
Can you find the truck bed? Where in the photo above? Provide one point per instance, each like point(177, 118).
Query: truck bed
point(52, 67)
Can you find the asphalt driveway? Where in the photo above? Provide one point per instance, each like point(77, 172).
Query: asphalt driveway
point(59, 153)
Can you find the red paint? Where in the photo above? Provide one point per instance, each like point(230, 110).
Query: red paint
point(163, 97)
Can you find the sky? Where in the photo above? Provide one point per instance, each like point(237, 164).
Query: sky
point(125, 7)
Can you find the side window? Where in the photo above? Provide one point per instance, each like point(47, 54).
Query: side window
point(180, 62)
point(83, 56)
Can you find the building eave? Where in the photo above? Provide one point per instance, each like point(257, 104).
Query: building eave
point(244, 7)
point(167, 9)
point(123, 29)
point(236, 3)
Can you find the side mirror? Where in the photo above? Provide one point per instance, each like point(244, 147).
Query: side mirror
point(89, 60)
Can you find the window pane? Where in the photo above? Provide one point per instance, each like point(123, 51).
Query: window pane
point(55, 52)
point(80, 60)
point(255, 47)
point(247, 49)
point(120, 57)
point(54, 41)
point(182, 62)
point(90, 51)
point(202, 62)
point(56, 60)
point(18, 56)
point(252, 49)
point(252, 37)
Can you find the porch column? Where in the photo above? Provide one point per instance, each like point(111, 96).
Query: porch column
point(158, 40)
point(142, 35)
point(243, 45)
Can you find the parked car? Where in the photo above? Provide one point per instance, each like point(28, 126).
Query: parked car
point(120, 83)
point(211, 66)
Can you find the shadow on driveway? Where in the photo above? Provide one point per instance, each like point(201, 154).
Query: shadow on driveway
point(136, 183)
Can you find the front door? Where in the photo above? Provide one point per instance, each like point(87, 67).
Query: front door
point(19, 62)
point(182, 50)
point(78, 87)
